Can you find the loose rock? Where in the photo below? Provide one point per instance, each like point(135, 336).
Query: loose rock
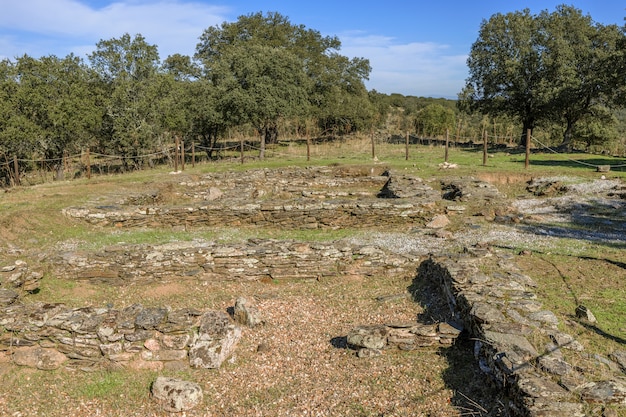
point(176, 395)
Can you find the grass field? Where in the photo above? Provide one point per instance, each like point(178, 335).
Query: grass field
point(569, 273)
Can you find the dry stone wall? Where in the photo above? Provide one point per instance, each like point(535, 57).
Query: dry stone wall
point(48, 336)
point(312, 198)
point(297, 214)
point(256, 259)
point(518, 343)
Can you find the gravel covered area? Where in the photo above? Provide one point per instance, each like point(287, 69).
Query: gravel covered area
point(298, 364)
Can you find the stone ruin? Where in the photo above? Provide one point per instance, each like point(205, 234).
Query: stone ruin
point(518, 343)
point(48, 336)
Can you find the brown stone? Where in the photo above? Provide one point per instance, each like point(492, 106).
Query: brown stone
point(40, 358)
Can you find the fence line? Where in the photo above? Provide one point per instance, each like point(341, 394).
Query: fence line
point(574, 160)
point(189, 151)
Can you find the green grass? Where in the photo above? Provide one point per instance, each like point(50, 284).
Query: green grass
point(568, 272)
point(102, 385)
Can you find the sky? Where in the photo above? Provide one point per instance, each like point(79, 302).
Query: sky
point(415, 47)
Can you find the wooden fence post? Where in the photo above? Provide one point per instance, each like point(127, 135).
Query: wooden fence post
point(485, 147)
point(308, 146)
point(88, 165)
point(406, 147)
point(527, 161)
point(182, 155)
point(373, 147)
point(176, 144)
point(447, 145)
point(193, 154)
point(241, 150)
point(17, 170)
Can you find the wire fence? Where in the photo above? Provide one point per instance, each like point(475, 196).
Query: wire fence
point(178, 154)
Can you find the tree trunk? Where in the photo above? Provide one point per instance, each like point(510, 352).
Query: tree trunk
point(566, 145)
point(271, 133)
point(209, 141)
point(527, 124)
point(59, 172)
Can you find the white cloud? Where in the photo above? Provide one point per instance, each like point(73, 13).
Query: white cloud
point(416, 68)
point(173, 25)
point(60, 27)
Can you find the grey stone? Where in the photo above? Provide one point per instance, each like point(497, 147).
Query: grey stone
point(563, 340)
point(438, 222)
point(215, 342)
point(487, 313)
point(404, 186)
point(518, 342)
point(176, 395)
point(150, 318)
point(450, 330)
point(536, 386)
point(7, 296)
point(584, 313)
point(370, 337)
point(605, 392)
point(214, 194)
point(549, 408)
point(619, 356)
point(544, 316)
point(246, 312)
point(554, 365)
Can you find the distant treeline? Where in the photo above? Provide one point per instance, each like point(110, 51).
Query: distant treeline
point(260, 78)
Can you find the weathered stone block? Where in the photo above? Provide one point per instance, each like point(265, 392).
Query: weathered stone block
point(246, 312)
point(175, 395)
point(606, 392)
point(216, 340)
point(370, 337)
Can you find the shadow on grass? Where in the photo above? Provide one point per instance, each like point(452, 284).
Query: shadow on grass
point(571, 161)
point(600, 220)
point(592, 327)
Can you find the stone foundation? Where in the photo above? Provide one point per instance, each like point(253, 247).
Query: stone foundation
point(518, 342)
point(256, 259)
point(46, 336)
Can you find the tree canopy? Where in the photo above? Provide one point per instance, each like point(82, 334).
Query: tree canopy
point(268, 68)
point(543, 68)
point(262, 75)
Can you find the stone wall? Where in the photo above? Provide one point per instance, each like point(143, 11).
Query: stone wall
point(255, 259)
point(518, 343)
point(297, 214)
point(47, 336)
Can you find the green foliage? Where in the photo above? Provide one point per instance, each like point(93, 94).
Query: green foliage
point(434, 119)
point(558, 72)
point(546, 68)
point(127, 69)
point(267, 68)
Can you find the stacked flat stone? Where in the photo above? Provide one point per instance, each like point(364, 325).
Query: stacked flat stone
point(47, 336)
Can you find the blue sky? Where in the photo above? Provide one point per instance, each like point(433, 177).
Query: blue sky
point(415, 47)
